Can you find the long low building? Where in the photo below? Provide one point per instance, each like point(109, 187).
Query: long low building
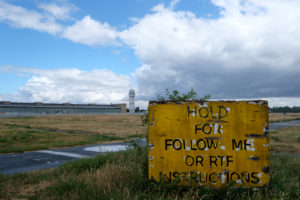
point(39, 108)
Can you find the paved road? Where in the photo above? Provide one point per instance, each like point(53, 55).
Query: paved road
point(37, 160)
point(279, 125)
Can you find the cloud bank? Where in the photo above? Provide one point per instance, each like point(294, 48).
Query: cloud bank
point(85, 31)
point(250, 51)
point(20, 17)
point(71, 85)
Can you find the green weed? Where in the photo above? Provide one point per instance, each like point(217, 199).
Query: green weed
point(275, 138)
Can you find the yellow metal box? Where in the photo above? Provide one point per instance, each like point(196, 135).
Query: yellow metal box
point(209, 143)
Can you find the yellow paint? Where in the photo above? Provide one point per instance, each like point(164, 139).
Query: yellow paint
point(221, 142)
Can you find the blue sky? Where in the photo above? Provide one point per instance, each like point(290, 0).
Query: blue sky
point(33, 49)
point(79, 52)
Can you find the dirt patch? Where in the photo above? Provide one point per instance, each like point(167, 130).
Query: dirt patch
point(275, 117)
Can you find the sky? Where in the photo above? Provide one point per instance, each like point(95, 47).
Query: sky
point(95, 51)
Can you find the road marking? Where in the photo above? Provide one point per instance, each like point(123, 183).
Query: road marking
point(107, 148)
point(72, 155)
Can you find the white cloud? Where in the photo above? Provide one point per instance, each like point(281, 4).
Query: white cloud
point(22, 18)
point(61, 12)
point(173, 4)
point(250, 51)
point(91, 32)
point(72, 85)
point(284, 101)
point(86, 31)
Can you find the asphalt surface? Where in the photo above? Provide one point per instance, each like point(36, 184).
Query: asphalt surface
point(279, 125)
point(37, 160)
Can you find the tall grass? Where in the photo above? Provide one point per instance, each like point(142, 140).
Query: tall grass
point(286, 140)
point(123, 175)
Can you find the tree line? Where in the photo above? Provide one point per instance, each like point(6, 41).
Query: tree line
point(285, 109)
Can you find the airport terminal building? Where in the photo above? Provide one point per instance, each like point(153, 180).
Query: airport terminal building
point(39, 108)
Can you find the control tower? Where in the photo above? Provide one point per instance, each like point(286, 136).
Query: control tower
point(131, 100)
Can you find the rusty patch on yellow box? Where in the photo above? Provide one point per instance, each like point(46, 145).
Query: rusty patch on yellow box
point(209, 143)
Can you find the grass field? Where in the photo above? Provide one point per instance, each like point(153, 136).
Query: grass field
point(32, 133)
point(277, 117)
point(19, 139)
point(123, 175)
point(286, 140)
point(112, 125)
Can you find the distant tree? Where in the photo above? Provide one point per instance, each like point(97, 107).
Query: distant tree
point(285, 109)
point(137, 109)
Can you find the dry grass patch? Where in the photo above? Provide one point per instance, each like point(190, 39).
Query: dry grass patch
point(27, 191)
point(286, 140)
point(24, 186)
point(109, 177)
point(44, 132)
point(19, 139)
point(116, 125)
point(276, 117)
